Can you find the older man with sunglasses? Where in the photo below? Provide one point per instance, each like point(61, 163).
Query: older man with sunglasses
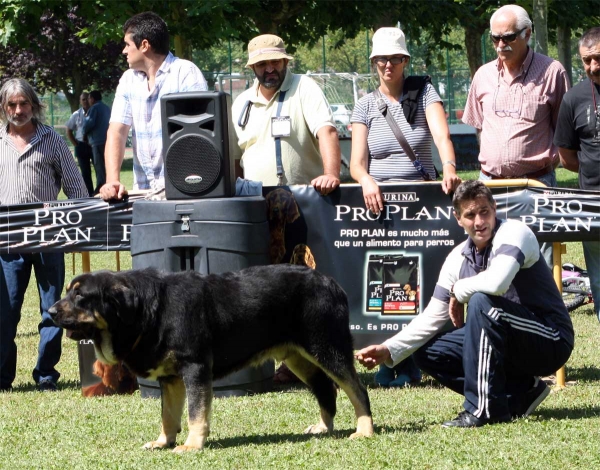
point(513, 103)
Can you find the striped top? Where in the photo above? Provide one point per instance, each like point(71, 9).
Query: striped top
point(37, 174)
point(387, 160)
point(136, 106)
point(517, 117)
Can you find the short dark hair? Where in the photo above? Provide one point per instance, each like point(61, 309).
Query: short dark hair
point(469, 191)
point(590, 38)
point(152, 28)
point(96, 95)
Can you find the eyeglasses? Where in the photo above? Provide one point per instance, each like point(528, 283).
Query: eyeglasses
point(510, 104)
point(506, 38)
point(395, 60)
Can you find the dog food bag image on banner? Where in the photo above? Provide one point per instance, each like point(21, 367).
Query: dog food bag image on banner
point(375, 283)
point(400, 285)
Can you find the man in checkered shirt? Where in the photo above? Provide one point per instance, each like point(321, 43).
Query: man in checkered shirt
point(513, 103)
point(153, 72)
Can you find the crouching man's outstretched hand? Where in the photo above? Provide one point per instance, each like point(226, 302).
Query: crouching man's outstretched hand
point(372, 356)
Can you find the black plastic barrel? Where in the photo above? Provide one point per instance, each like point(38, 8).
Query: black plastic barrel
point(209, 236)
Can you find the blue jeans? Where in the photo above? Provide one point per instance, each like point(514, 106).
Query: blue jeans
point(15, 271)
point(550, 181)
point(591, 252)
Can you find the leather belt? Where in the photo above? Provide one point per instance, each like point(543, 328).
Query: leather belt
point(534, 175)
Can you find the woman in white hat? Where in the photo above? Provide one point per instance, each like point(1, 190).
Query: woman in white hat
point(377, 155)
point(415, 106)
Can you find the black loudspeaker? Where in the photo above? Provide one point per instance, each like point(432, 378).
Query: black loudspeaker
point(196, 141)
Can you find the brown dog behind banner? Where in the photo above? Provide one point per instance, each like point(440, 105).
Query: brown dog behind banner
point(115, 380)
point(282, 209)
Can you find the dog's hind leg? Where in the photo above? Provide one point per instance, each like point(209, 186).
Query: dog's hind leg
point(349, 382)
point(172, 401)
point(357, 393)
point(198, 383)
point(321, 386)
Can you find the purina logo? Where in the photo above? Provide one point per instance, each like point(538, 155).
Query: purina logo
point(400, 197)
point(193, 179)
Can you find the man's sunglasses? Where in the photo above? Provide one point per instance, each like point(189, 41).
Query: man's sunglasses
point(392, 60)
point(506, 38)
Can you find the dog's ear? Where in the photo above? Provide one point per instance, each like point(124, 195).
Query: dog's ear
point(291, 208)
point(126, 302)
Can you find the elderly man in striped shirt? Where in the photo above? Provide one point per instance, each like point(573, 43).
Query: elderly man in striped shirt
point(513, 103)
point(35, 163)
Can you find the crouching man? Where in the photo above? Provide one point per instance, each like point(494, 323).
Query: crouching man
point(517, 327)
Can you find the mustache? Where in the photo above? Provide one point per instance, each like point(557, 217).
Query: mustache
point(504, 49)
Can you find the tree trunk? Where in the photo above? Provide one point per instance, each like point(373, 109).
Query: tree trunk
point(540, 21)
point(473, 45)
point(182, 48)
point(563, 44)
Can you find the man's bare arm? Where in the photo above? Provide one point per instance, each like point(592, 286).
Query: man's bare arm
point(329, 146)
point(569, 159)
point(114, 153)
point(71, 137)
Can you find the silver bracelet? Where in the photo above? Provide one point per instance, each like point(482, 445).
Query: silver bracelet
point(449, 162)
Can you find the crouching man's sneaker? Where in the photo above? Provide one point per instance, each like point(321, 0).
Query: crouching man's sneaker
point(47, 386)
point(534, 396)
point(467, 420)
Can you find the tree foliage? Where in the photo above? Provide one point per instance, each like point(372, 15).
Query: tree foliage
point(204, 25)
point(55, 59)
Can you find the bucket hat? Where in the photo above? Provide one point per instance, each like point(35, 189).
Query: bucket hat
point(266, 47)
point(387, 42)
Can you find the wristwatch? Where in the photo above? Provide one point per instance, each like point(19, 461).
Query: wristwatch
point(451, 293)
point(449, 162)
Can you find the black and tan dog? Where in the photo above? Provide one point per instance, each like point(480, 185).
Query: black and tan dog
point(186, 329)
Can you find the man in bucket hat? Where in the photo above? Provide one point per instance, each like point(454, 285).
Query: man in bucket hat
point(283, 123)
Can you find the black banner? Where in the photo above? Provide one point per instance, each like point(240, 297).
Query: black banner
point(387, 264)
point(554, 214)
point(88, 224)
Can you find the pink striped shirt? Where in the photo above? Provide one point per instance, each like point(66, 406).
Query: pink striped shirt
point(517, 118)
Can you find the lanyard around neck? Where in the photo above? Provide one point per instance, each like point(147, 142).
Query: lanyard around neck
point(278, 142)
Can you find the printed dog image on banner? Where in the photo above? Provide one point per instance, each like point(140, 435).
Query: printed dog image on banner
point(375, 283)
point(400, 285)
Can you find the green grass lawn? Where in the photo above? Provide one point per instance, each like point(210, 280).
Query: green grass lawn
point(64, 430)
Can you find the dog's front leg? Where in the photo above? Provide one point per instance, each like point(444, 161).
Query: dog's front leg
point(172, 401)
point(198, 384)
